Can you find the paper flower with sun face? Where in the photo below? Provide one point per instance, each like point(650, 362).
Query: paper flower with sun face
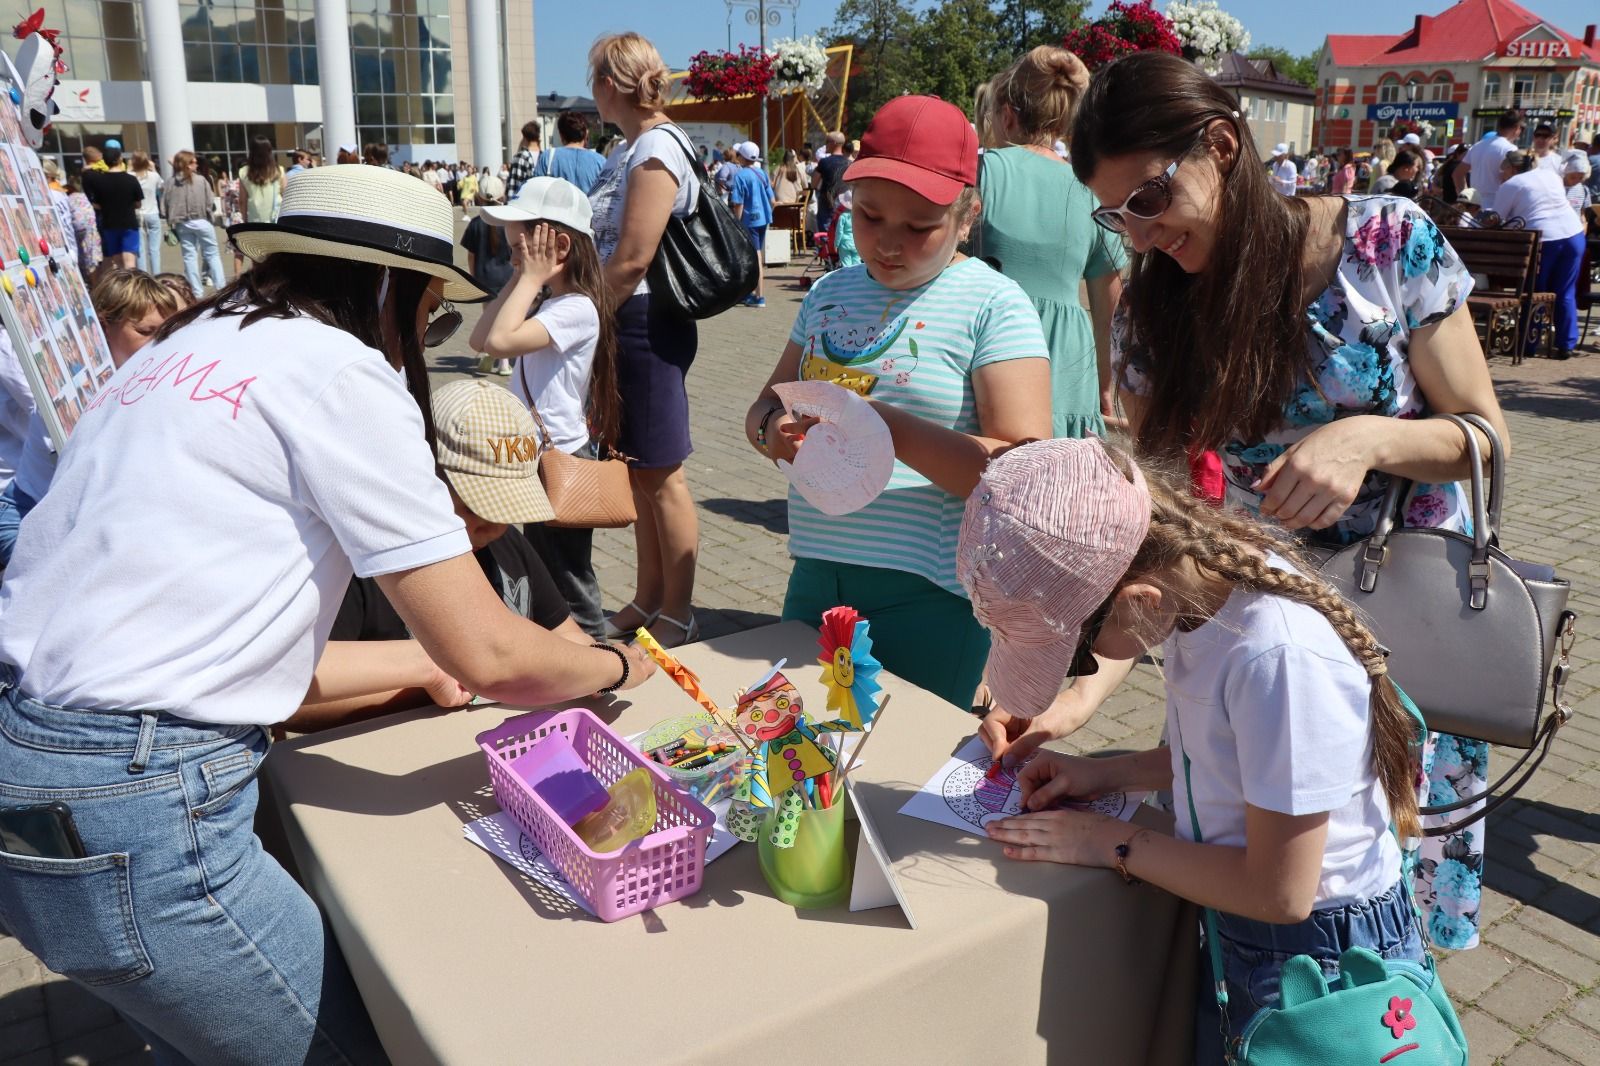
point(848, 668)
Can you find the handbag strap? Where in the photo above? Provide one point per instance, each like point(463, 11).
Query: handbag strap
point(694, 163)
point(1213, 944)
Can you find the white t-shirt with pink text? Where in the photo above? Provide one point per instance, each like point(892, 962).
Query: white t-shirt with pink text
point(206, 516)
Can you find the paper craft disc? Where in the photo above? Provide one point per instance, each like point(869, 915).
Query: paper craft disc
point(847, 459)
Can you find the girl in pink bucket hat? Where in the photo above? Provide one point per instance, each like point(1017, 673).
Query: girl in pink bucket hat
point(1294, 745)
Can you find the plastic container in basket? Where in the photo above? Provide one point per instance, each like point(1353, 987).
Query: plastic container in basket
point(667, 864)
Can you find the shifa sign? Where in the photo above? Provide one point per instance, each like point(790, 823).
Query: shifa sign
point(1539, 50)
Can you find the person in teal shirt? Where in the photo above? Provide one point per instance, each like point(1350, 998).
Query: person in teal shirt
point(1036, 226)
point(844, 233)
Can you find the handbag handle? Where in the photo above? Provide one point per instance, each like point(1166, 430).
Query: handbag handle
point(1485, 513)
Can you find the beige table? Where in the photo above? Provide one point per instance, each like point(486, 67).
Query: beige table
point(463, 961)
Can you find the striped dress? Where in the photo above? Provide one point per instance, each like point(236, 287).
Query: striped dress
point(916, 349)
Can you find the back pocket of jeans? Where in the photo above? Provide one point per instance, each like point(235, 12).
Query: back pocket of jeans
point(76, 915)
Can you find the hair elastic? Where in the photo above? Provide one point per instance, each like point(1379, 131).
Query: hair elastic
point(1235, 114)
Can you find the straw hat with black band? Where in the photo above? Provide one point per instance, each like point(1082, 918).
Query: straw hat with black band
point(366, 214)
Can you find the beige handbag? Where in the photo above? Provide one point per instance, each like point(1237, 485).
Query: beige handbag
point(584, 493)
point(1478, 638)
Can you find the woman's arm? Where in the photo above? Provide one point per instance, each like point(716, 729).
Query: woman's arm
point(1315, 481)
point(1104, 293)
point(464, 627)
point(652, 190)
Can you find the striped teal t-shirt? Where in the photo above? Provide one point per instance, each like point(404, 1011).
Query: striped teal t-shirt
point(916, 349)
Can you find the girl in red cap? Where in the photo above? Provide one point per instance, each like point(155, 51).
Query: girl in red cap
point(952, 355)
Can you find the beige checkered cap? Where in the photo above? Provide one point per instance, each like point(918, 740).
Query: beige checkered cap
point(489, 449)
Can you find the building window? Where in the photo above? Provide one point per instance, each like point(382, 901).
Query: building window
point(1389, 90)
point(102, 41)
point(1558, 83)
point(1442, 88)
point(1522, 85)
point(403, 72)
point(1491, 87)
point(229, 41)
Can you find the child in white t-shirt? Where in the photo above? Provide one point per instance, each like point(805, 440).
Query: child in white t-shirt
point(553, 319)
point(1290, 744)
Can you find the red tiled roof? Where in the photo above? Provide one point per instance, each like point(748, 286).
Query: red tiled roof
point(1464, 33)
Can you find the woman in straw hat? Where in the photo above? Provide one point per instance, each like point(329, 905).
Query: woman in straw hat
point(170, 598)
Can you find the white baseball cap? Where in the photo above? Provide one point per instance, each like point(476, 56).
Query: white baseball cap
point(748, 150)
point(545, 199)
point(1280, 149)
point(1411, 138)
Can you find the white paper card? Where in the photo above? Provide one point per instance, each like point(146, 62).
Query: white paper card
point(845, 461)
point(963, 796)
point(874, 884)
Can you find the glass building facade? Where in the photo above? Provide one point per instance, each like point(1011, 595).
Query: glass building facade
point(402, 67)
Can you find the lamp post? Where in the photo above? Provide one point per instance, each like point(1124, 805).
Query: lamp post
point(761, 14)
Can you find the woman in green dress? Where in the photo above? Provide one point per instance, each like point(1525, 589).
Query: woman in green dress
point(1036, 227)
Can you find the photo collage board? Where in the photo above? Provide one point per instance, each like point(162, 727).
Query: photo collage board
point(43, 299)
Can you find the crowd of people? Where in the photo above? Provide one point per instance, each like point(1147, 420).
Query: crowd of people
point(330, 539)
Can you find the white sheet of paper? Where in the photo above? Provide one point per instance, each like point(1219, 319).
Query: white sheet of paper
point(501, 837)
point(846, 461)
point(873, 884)
point(962, 795)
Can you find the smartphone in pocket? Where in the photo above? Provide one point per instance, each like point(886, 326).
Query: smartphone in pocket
point(46, 831)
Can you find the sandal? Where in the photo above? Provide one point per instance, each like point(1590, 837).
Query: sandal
point(613, 632)
point(690, 630)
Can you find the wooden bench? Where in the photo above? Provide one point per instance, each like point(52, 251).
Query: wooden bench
point(1508, 311)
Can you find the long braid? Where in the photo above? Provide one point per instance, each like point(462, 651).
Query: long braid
point(1235, 548)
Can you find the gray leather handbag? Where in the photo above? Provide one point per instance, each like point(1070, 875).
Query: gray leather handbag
point(1478, 639)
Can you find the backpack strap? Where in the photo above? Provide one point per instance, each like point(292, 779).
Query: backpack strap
point(1213, 944)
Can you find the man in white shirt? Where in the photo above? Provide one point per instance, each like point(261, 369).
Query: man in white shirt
point(1484, 158)
point(1284, 173)
point(1544, 148)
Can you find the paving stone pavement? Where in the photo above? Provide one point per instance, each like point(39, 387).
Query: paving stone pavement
point(1530, 995)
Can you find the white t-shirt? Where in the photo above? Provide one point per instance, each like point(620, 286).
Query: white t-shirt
point(200, 533)
point(1284, 175)
point(150, 182)
point(433, 177)
point(1273, 711)
point(1483, 162)
point(557, 375)
point(16, 409)
point(1551, 162)
point(1540, 199)
point(610, 191)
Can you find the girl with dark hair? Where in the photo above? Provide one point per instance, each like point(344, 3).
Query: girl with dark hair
point(261, 185)
point(554, 319)
point(215, 500)
point(1306, 339)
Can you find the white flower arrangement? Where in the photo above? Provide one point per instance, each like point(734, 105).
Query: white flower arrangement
point(799, 63)
point(1211, 32)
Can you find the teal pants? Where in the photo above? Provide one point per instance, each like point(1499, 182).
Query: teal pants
point(920, 632)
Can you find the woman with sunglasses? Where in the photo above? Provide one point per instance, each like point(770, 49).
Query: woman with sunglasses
point(170, 596)
point(1306, 339)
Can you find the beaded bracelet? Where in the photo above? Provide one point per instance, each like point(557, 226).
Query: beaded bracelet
point(761, 430)
point(626, 668)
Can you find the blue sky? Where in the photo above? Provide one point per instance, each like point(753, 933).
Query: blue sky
point(680, 28)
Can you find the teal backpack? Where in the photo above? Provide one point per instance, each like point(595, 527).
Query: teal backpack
point(1377, 1011)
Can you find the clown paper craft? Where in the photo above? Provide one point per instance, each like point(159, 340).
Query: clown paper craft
point(848, 667)
point(787, 752)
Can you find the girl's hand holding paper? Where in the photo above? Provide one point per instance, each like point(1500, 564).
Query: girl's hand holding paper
point(1077, 837)
point(1051, 777)
point(847, 456)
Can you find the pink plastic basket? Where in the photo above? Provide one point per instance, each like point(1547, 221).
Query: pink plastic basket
point(667, 864)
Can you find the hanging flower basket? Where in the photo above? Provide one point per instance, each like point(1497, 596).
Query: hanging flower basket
point(1122, 29)
point(1208, 33)
point(799, 63)
point(719, 75)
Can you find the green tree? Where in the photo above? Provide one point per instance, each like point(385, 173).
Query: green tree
point(884, 33)
point(1027, 24)
point(958, 47)
point(1302, 69)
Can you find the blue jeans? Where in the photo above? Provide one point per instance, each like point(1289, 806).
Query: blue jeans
point(176, 918)
point(150, 242)
point(197, 238)
point(14, 507)
point(1560, 264)
point(1253, 954)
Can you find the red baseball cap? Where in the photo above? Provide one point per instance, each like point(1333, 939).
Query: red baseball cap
point(923, 143)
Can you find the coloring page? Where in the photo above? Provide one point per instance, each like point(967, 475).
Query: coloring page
point(964, 795)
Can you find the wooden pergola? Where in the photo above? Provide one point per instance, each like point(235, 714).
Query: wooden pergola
point(793, 116)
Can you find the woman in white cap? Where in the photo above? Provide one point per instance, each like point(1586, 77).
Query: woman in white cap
point(170, 596)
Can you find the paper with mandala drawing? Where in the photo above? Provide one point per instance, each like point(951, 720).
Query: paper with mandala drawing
point(845, 461)
point(963, 796)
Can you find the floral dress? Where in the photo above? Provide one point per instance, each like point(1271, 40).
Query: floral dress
point(1397, 274)
point(86, 233)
